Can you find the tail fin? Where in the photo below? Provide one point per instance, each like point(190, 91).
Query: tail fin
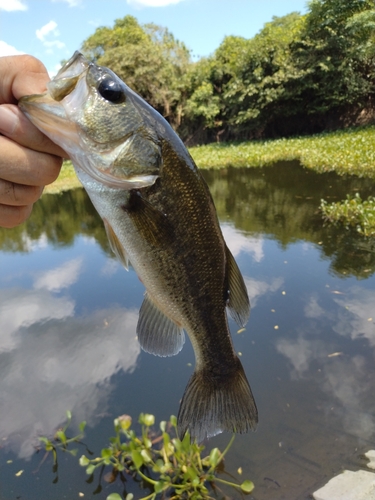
point(214, 404)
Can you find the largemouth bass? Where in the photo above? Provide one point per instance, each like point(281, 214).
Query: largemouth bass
point(159, 216)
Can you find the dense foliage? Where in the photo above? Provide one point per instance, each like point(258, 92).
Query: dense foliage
point(299, 74)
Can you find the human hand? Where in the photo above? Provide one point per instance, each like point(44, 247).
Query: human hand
point(28, 159)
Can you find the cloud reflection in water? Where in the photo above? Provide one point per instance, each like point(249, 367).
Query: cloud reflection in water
point(346, 378)
point(52, 360)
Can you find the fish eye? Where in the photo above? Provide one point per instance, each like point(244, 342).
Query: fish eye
point(111, 91)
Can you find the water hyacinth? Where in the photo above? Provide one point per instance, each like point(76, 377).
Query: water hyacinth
point(350, 151)
point(352, 213)
point(347, 152)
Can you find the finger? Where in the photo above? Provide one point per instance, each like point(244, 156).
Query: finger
point(18, 195)
point(26, 166)
point(11, 216)
point(19, 76)
point(15, 125)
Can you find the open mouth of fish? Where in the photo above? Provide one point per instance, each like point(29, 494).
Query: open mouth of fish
point(53, 112)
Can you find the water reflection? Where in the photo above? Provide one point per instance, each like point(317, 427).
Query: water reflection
point(68, 314)
point(52, 360)
point(345, 376)
point(280, 202)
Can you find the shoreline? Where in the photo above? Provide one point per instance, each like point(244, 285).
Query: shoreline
point(346, 152)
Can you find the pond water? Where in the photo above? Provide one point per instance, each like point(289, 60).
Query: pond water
point(68, 314)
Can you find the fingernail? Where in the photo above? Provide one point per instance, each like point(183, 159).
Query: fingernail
point(8, 121)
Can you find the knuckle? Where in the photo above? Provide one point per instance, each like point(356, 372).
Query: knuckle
point(32, 64)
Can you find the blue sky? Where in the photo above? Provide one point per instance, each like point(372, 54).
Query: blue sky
point(53, 29)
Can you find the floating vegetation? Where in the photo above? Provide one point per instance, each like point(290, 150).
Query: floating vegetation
point(352, 213)
point(170, 467)
point(350, 151)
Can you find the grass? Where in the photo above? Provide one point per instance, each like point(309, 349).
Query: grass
point(352, 213)
point(350, 151)
point(66, 180)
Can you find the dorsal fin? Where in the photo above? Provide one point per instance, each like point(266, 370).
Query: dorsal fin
point(157, 334)
point(116, 245)
point(238, 301)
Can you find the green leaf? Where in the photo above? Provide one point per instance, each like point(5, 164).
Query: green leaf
point(61, 436)
point(146, 456)
point(148, 419)
point(90, 469)
point(68, 415)
point(173, 420)
point(82, 426)
point(159, 486)
point(215, 457)
point(247, 486)
point(115, 496)
point(137, 459)
point(84, 461)
point(106, 453)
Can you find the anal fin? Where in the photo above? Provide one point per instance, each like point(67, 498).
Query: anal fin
point(116, 245)
point(157, 334)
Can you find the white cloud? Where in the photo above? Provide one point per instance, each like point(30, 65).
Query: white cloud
point(71, 3)
point(61, 277)
point(50, 27)
point(11, 5)
point(21, 308)
point(312, 309)
point(8, 50)
point(45, 33)
point(256, 289)
point(239, 242)
point(48, 354)
point(356, 319)
point(153, 3)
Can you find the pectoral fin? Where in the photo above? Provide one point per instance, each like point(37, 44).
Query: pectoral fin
point(116, 245)
point(157, 334)
point(151, 223)
point(238, 300)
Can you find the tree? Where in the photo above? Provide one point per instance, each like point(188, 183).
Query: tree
point(335, 53)
point(148, 58)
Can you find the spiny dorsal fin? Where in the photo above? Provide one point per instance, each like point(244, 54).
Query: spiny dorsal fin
point(115, 245)
point(157, 334)
point(238, 300)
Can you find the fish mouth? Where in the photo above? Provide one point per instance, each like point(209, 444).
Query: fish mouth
point(67, 77)
point(46, 110)
point(49, 116)
point(50, 113)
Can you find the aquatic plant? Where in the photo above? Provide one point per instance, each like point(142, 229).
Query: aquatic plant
point(352, 213)
point(170, 467)
point(350, 151)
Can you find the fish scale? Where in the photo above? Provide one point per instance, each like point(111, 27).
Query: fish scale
point(159, 215)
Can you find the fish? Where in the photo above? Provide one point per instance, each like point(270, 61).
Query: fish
point(159, 217)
